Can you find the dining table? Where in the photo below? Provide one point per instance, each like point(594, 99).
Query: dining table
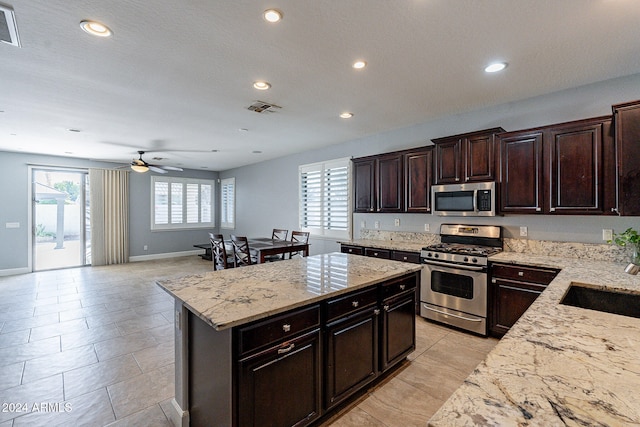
point(266, 246)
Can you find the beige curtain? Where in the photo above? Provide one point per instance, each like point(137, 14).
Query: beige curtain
point(109, 193)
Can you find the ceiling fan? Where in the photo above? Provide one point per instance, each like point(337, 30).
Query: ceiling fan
point(141, 166)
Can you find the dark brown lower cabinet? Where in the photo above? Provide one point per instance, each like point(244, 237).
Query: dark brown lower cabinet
point(281, 386)
point(513, 289)
point(398, 328)
point(351, 355)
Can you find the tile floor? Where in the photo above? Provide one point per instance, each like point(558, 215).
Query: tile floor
point(93, 347)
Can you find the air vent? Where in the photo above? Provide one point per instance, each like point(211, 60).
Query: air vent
point(262, 107)
point(8, 27)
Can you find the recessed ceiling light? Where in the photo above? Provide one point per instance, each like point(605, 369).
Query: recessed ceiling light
point(272, 15)
point(495, 67)
point(214, 151)
point(96, 28)
point(261, 85)
point(74, 130)
point(243, 130)
point(359, 65)
point(257, 152)
point(346, 115)
point(68, 152)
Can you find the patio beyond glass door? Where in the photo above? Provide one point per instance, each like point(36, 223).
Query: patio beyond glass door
point(61, 219)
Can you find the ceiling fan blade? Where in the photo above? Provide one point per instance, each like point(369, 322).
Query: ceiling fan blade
point(172, 168)
point(156, 169)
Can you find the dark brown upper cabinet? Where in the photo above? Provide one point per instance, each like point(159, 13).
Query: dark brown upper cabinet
point(565, 168)
point(627, 138)
point(379, 183)
point(418, 173)
point(466, 157)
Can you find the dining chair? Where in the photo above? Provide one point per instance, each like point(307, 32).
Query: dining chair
point(221, 259)
point(277, 234)
point(298, 237)
point(241, 251)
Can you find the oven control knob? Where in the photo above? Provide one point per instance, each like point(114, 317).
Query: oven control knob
point(429, 254)
point(436, 256)
point(474, 259)
point(466, 259)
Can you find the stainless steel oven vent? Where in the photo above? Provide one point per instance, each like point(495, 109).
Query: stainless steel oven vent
point(8, 27)
point(262, 107)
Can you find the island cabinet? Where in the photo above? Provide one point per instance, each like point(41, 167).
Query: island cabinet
point(292, 368)
point(627, 135)
point(466, 157)
point(566, 168)
point(513, 289)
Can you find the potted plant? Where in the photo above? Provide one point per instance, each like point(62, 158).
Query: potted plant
point(629, 238)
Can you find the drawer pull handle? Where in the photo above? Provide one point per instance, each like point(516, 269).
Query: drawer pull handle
point(402, 287)
point(286, 349)
point(286, 327)
point(355, 304)
point(375, 254)
point(404, 258)
point(520, 273)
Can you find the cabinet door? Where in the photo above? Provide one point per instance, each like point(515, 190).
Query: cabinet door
point(351, 350)
point(390, 183)
point(576, 172)
point(418, 166)
point(398, 329)
point(364, 181)
point(281, 386)
point(479, 158)
point(511, 300)
point(522, 173)
point(627, 137)
point(448, 160)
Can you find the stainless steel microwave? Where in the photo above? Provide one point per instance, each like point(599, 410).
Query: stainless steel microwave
point(469, 199)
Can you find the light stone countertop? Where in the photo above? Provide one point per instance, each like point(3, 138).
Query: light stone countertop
point(236, 296)
point(558, 365)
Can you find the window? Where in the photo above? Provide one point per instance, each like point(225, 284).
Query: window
point(181, 203)
point(324, 198)
point(228, 203)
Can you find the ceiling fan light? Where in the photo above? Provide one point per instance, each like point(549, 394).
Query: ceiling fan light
point(140, 168)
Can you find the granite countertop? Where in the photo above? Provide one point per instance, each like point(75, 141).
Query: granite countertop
point(236, 296)
point(558, 365)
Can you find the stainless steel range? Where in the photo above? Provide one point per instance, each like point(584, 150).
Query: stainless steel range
point(454, 281)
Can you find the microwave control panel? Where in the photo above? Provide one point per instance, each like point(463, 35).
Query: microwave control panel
point(484, 200)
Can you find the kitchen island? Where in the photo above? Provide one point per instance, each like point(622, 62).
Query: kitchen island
point(287, 342)
point(558, 365)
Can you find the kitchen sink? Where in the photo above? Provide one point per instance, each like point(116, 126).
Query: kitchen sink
point(625, 304)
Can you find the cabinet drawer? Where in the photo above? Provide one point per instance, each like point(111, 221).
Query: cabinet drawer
point(355, 250)
point(377, 253)
point(413, 257)
point(398, 286)
point(276, 329)
point(351, 303)
point(526, 274)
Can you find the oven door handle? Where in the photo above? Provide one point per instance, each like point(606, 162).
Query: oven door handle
point(459, 266)
point(451, 314)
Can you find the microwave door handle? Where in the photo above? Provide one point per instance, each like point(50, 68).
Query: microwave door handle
point(475, 200)
point(457, 266)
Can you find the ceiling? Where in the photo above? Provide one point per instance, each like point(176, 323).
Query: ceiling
point(175, 79)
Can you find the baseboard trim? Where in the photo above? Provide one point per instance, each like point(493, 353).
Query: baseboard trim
point(178, 416)
point(14, 271)
point(152, 257)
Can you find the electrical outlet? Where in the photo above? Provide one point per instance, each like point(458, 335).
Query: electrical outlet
point(145, 247)
point(396, 222)
point(607, 234)
point(524, 232)
point(363, 224)
point(426, 227)
point(376, 224)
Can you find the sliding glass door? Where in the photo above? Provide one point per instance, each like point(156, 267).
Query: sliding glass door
point(61, 218)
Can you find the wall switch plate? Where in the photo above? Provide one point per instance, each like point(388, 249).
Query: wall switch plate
point(12, 225)
point(524, 231)
point(363, 224)
point(426, 227)
point(376, 224)
point(396, 222)
point(607, 234)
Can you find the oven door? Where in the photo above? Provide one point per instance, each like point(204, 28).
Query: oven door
point(456, 295)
